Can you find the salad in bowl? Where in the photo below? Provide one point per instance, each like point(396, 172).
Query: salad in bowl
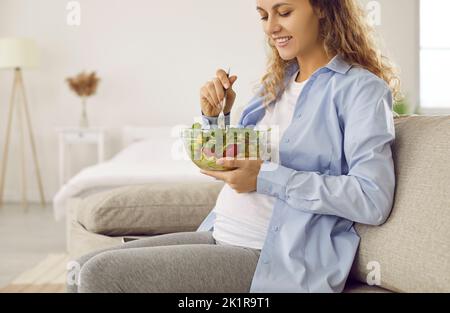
point(206, 146)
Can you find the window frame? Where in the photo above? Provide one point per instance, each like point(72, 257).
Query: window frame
point(426, 110)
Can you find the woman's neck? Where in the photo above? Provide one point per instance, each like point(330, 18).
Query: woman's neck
point(310, 62)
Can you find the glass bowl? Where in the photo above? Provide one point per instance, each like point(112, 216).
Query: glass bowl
point(206, 146)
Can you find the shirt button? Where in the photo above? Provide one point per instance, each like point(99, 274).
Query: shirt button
point(276, 228)
point(287, 140)
point(266, 261)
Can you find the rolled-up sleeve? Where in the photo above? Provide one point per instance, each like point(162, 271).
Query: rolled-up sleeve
point(212, 121)
point(365, 195)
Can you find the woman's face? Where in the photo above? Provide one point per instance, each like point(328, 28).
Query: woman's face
point(292, 25)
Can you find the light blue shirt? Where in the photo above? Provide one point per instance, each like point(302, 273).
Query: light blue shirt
point(336, 168)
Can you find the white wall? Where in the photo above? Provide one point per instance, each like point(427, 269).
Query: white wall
point(152, 57)
point(399, 34)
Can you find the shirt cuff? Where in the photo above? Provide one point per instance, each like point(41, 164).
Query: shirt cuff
point(273, 179)
point(213, 120)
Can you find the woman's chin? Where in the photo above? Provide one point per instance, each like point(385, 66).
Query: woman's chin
point(286, 55)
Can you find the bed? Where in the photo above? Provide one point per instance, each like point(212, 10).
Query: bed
point(150, 155)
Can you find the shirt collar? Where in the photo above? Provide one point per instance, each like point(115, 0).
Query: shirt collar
point(337, 64)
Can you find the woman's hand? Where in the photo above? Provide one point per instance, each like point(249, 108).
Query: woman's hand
point(213, 93)
point(243, 178)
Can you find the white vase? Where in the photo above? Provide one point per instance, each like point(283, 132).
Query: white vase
point(84, 122)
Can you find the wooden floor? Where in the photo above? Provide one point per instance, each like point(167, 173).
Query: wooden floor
point(49, 276)
point(27, 236)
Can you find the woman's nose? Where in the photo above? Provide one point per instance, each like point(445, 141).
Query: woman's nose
point(272, 26)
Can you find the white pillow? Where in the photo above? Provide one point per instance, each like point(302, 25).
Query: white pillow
point(152, 144)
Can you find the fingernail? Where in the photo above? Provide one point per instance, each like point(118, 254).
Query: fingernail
point(220, 162)
point(227, 85)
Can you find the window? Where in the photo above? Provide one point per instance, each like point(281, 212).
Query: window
point(434, 54)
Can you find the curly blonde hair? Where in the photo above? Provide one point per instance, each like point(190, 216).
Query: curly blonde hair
point(344, 30)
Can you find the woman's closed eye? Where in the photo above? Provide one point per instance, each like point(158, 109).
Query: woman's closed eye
point(264, 18)
point(285, 14)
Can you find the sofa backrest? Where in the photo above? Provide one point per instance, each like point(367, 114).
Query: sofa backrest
point(412, 249)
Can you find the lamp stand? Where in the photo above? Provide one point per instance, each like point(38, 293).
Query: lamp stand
point(22, 109)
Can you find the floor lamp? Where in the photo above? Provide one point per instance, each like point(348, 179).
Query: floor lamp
point(16, 54)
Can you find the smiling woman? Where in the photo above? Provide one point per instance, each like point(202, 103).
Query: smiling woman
point(291, 26)
point(296, 29)
point(330, 91)
point(285, 224)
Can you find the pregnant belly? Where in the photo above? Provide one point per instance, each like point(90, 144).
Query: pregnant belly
point(246, 208)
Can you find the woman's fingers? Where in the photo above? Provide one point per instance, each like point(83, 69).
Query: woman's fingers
point(219, 89)
point(233, 79)
point(227, 82)
point(222, 76)
point(205, 94)
point(216, 174)
point(212, 92)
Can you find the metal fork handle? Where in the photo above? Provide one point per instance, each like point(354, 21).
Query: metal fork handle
point(221, 119)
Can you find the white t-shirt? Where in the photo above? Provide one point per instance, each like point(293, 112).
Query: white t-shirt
point(242, 219)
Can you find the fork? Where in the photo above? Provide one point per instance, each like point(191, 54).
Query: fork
point(221, 119)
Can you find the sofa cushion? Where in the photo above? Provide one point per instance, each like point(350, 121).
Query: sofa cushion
point(357, 287)
point(155, 208)
point(413, 247)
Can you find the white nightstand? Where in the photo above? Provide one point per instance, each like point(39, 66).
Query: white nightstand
point(76, 135)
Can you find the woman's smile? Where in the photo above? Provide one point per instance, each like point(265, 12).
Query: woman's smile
point(282, 42)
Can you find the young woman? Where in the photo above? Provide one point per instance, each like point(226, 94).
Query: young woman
point(285, 224)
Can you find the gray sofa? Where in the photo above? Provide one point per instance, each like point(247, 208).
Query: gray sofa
point(409, 253)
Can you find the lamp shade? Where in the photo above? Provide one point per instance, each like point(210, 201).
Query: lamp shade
point(18, 53)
